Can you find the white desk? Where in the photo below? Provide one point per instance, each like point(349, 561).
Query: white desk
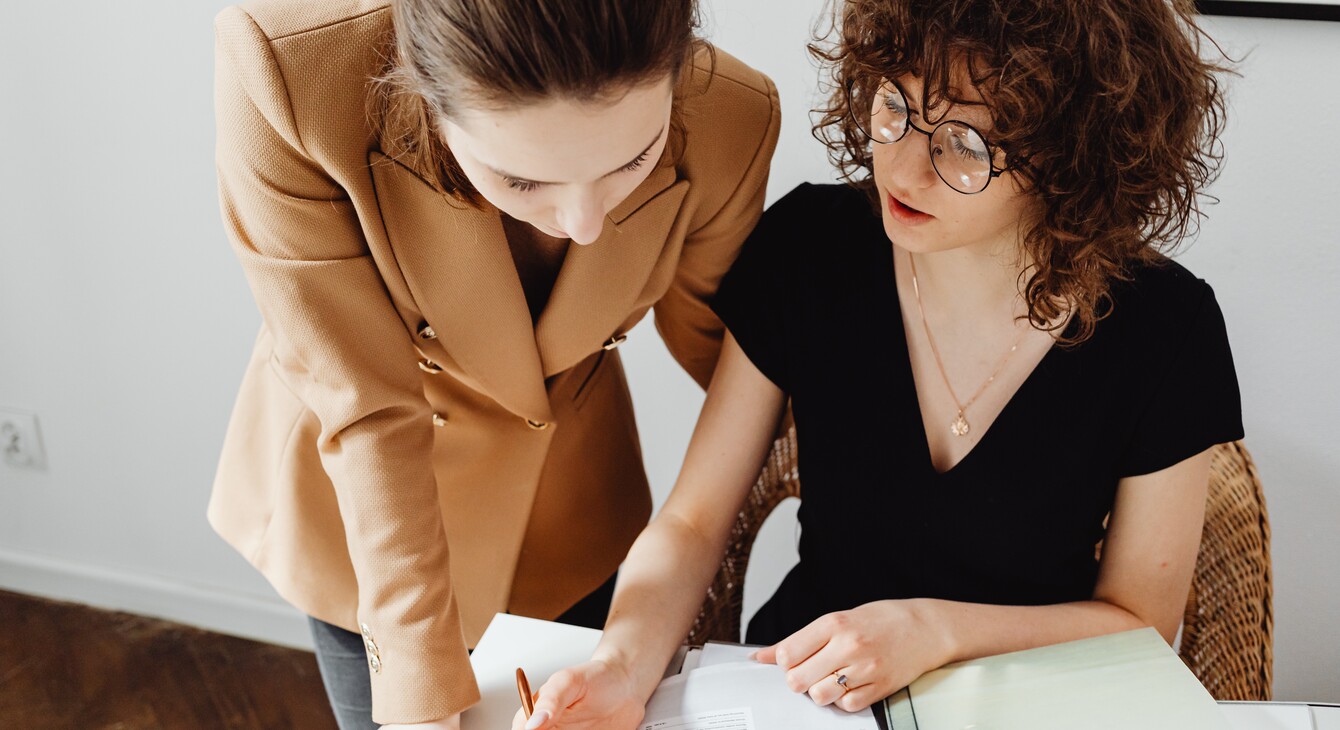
point(1281, 716)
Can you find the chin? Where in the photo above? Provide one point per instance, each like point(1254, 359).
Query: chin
point(912, 240)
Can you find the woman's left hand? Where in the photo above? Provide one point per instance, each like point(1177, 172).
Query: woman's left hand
point(879, 647)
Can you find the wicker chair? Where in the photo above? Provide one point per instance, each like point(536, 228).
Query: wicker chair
point(1227, 627)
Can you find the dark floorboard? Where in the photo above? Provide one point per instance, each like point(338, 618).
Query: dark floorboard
point(64, 665)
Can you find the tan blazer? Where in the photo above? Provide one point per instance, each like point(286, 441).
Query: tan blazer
point(399, 406)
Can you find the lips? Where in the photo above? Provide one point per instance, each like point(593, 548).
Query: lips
point(904, 213)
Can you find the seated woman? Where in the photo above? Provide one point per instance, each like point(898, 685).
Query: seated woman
point(993, 368)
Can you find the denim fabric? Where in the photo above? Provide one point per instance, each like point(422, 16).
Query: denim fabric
point(344, 671)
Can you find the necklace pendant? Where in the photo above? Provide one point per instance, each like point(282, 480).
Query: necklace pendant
point(960, 425)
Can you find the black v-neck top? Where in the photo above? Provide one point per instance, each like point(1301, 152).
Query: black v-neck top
point(813, 302)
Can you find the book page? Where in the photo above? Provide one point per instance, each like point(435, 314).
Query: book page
point(735, 718)
point(714, 652)
point(749, 695)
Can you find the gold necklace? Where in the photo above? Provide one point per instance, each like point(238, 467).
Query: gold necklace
point(960, 425)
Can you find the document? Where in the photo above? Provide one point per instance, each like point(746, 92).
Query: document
point(539, 647)
point(742, 696)
point(737, 718)
point(729, 694)
point(715, 652)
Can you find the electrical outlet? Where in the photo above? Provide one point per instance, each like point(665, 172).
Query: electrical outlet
point(20, 441)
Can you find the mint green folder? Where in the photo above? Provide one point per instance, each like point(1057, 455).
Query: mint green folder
point(1127, 681)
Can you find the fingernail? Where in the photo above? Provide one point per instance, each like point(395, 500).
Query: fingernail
point(537, 720)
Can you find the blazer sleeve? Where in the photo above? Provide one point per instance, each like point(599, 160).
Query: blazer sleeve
point(691, 330)
point(343, 350)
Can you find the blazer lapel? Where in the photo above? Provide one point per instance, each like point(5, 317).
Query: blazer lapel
point(599, 284)
point(459, 269)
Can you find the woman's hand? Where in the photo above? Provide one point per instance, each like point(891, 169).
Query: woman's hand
point(595, 696)
point(879, 647)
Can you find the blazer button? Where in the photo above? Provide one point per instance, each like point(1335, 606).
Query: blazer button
point(536, 425)
point(430, 367)
point(439, 420)
point(615, 341)
point(426, 332)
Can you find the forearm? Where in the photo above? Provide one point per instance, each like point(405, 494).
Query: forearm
point(661, 587)
point(666, 574)
point(972, 630)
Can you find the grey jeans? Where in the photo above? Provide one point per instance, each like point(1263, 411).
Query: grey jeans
point(344, 664)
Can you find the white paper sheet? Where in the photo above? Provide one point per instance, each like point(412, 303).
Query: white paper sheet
point(1326, 717)
point(759, 687)
point(735, 718)
point(539, 647)
point(1267, 716)
point(714, 653)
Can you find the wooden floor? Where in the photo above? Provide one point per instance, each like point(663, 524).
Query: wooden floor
point(69, 666)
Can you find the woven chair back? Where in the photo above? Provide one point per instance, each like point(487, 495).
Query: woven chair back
point(1228, 627)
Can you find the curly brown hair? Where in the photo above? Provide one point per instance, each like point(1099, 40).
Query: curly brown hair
point(1105, 110)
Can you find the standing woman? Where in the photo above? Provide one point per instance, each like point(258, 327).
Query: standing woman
point(436, 374)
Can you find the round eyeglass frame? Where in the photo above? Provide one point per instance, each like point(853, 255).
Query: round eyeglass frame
point(994, 172)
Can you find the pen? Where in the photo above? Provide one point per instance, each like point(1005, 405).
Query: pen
point(523, 688)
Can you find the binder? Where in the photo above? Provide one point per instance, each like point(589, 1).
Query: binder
point(1131, 679)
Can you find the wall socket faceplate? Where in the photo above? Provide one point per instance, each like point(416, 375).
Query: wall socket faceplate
point(20, 441)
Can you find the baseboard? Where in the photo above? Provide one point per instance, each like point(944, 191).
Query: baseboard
point(250, 617)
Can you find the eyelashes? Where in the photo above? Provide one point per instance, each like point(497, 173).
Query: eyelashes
point(526, 186)
point(635, 164)
point(969, 152)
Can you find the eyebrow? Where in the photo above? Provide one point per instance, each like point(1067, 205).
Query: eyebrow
point(615, 171)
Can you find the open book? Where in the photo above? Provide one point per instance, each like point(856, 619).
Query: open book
point(1127, 680)
point(733, 693)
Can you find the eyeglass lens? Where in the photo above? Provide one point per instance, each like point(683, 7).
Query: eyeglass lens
point(958, 152)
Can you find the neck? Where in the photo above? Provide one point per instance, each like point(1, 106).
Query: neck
point(969, 282)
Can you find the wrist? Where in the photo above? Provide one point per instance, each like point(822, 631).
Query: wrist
point(640, 678)
point(939, 622)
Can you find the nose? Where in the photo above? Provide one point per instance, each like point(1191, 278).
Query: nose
point(910, 165)
point(582, 217)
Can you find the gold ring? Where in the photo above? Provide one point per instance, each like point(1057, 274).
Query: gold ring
point(841, 680)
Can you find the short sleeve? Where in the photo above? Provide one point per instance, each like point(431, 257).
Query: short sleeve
point(752, 299)
point(1195, 401)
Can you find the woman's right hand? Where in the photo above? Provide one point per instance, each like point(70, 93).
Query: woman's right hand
point(597, 695)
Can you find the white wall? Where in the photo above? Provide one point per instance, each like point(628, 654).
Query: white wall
point(125, 322)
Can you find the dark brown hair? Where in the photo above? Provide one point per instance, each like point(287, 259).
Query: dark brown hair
point(495, 54)
point(1104, 109)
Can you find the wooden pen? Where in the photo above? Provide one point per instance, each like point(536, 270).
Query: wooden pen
point(523, 688)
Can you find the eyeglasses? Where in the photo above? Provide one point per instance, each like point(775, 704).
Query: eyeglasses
point(960, 154)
